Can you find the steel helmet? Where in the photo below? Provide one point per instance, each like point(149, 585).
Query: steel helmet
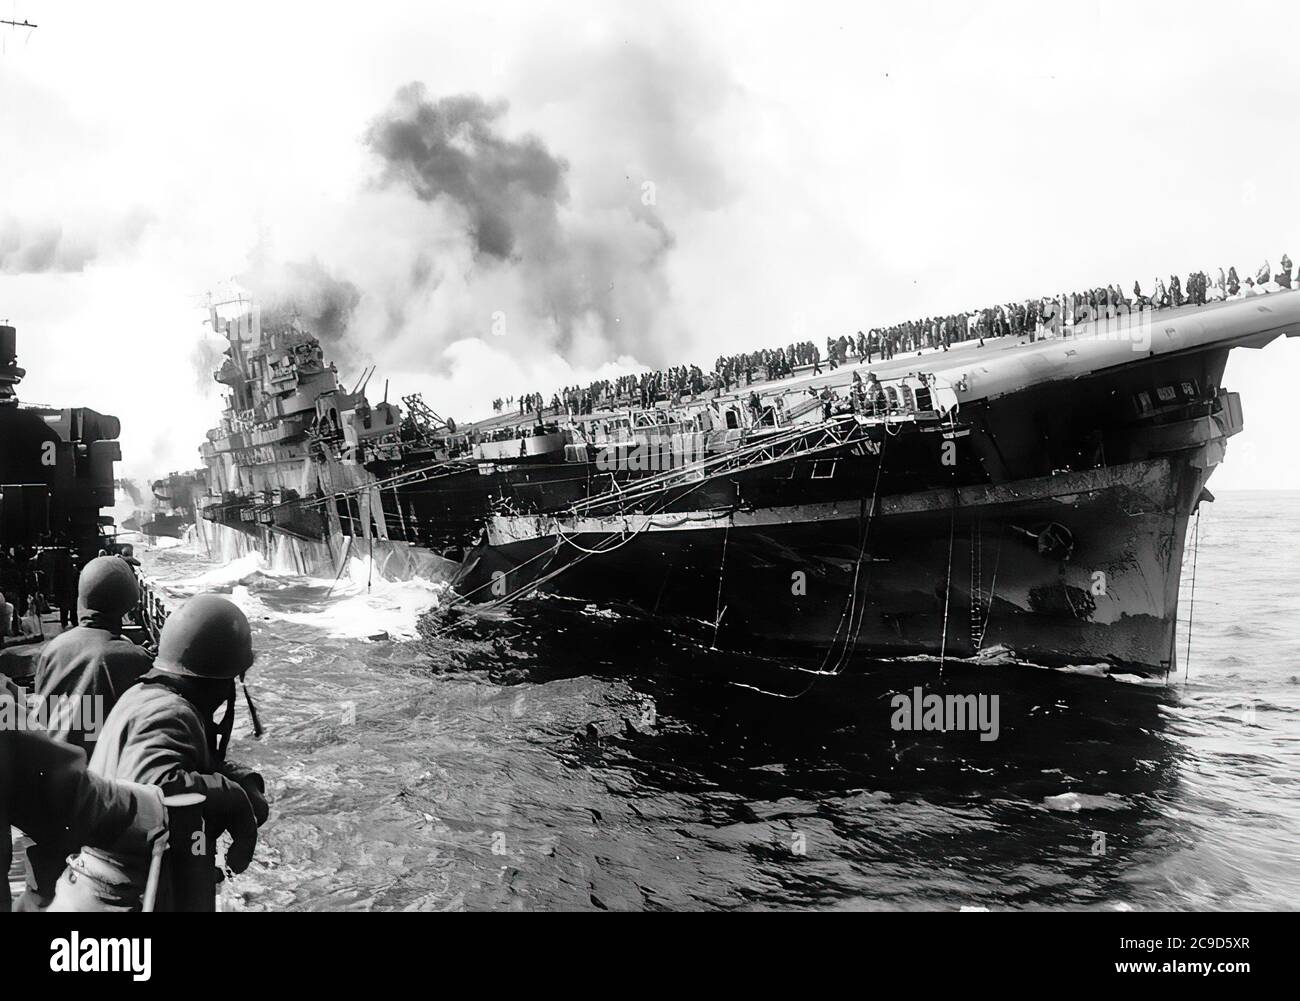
point(208, 637)
point(108, 585)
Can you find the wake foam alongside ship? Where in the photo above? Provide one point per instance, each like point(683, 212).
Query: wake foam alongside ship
point(355, 605)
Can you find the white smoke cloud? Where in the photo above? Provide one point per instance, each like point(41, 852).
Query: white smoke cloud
point(50, 246)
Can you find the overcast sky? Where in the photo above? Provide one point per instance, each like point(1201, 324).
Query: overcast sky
point(710, 177)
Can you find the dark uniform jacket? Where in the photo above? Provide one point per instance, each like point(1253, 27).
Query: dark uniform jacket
point(46, 792)
point(92, 660)
point(156, 735)
point(153, 736)
point(79, 677)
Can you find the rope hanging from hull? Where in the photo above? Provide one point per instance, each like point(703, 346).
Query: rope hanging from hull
point(993, 590)
point(1191, 603)
point(852, 610)
point(722, 569)
point(947, 591)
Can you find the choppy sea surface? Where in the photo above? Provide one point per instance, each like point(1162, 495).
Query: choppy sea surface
point(576, 759)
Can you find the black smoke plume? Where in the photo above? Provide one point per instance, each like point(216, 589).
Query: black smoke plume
point(595, 268)
point(451, 148)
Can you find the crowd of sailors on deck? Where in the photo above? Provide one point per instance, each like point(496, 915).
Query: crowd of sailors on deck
point(1049, 316)
point(1055, 315)
point(646, 388)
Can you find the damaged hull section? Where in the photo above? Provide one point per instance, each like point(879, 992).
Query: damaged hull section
point(1079, 567)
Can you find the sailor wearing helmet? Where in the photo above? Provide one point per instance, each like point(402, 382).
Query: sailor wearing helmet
point(163, 732)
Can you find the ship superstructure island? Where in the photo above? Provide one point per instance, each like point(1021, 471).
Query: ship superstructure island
point(1029, 492)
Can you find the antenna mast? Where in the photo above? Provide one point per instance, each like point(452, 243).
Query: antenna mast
point(24, 23)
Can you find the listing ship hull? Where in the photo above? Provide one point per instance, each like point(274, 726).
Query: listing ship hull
point(941, 572)
point(1056, 535)
point(1029, 499)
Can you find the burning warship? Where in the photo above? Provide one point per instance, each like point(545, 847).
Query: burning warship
point(1029, 493)
point(171, 510)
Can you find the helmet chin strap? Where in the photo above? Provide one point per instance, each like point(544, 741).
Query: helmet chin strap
point(221, 738)
point(252, 709)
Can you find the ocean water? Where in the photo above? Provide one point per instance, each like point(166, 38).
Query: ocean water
point(573, 758)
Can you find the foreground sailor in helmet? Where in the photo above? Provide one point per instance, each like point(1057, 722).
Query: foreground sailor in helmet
point(162, 732)
point(80, 676)
point(47, 793)
point(93, 659)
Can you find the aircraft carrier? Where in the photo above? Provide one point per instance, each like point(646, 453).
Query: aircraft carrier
point(1027, 494)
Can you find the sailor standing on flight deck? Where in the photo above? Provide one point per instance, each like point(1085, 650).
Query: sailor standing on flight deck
point(163, 732)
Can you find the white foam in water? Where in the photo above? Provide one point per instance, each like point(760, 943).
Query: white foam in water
point(1089, 670)
point(358, 606)
point(238, 571)
point(362, 606)
point(1137, 679)
point(1073, 802)
point(998, 654)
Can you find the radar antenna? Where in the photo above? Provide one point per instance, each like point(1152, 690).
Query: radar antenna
point(15, 25)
